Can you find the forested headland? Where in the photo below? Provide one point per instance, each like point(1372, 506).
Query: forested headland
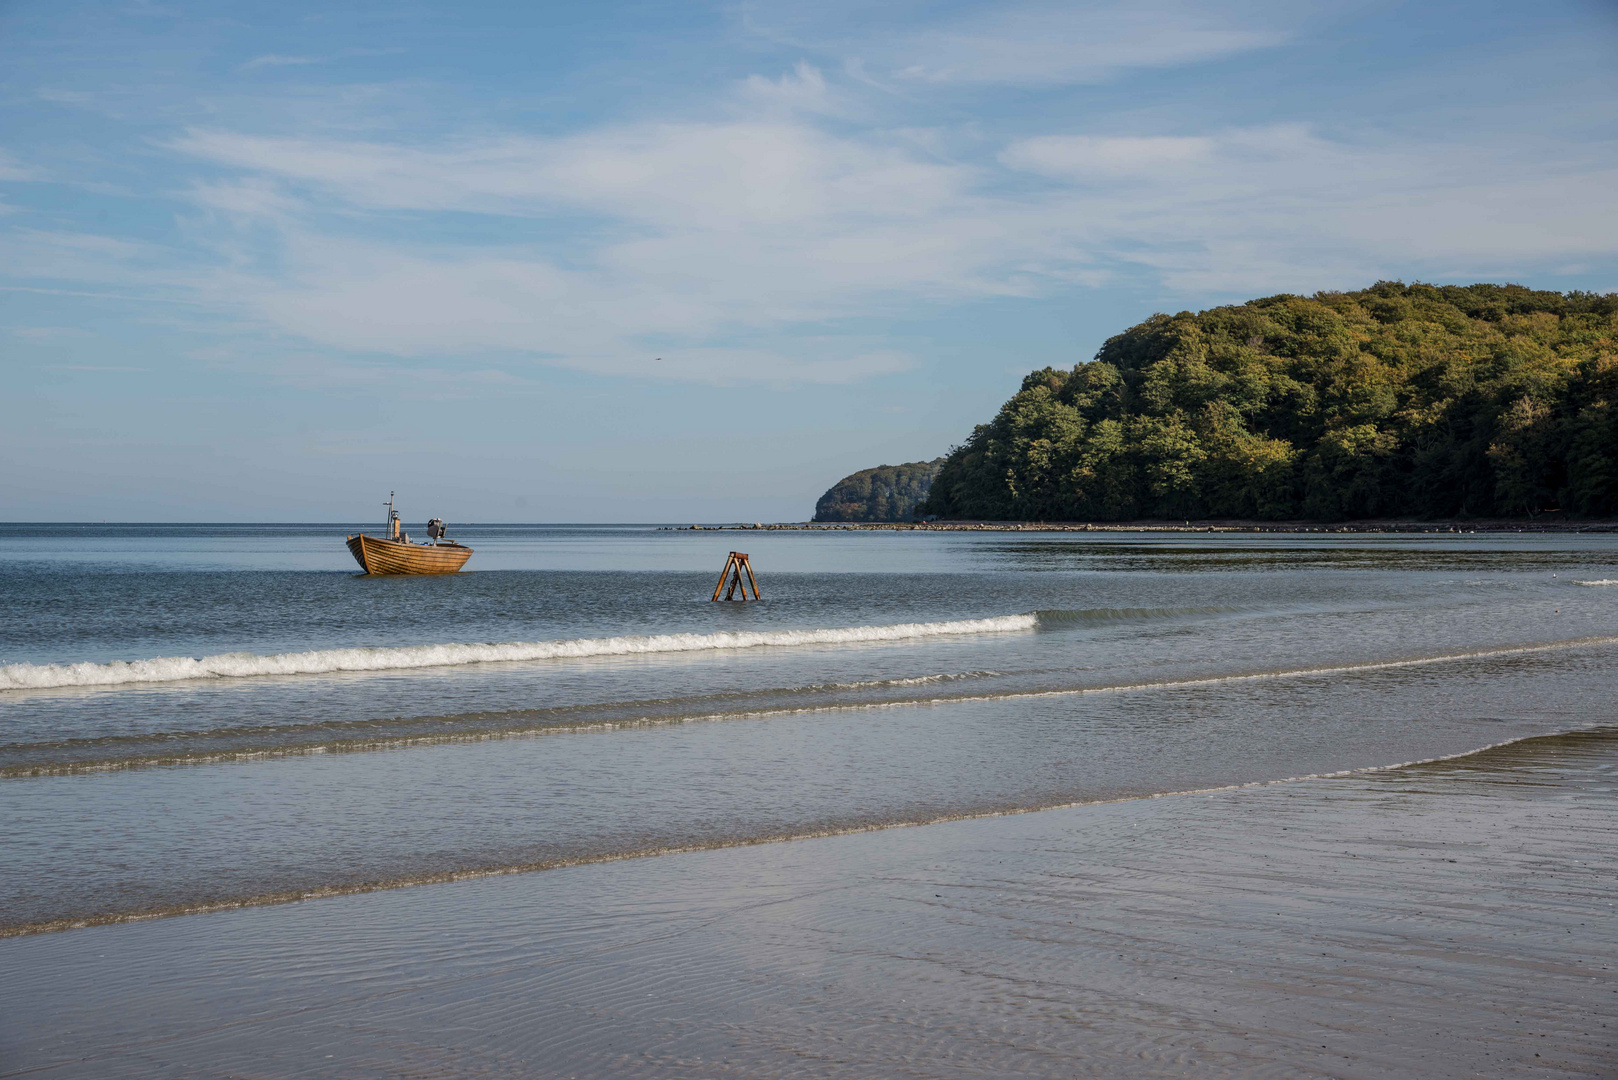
point(885, 493)
point(1394, 401)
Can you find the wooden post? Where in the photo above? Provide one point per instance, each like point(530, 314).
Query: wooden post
point(734, 566)
point(723, 574)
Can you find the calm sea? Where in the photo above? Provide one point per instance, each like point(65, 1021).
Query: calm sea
point(202, 715)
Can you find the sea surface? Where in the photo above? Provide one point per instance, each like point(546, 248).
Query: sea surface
point(203, 716)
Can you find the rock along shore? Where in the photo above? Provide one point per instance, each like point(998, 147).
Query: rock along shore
point(1217, 526)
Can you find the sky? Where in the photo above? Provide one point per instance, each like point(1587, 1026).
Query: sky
point(696, 262)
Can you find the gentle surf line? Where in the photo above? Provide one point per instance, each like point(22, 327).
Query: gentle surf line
point(242, 665)
point(399, 658)
point(474, 873)
point(399, 742)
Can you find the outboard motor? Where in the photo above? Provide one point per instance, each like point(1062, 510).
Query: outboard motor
point(436, 529)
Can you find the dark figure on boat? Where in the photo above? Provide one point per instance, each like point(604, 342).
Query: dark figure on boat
point(395, 554)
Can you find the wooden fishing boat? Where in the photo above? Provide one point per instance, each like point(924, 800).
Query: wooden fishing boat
point(395, 554)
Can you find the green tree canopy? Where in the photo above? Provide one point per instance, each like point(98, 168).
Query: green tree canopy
point(885, 493)
point(1424, 400)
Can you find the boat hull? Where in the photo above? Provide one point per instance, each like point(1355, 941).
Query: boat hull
point(378, 556)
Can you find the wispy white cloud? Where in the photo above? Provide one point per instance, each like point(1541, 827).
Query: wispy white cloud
point(685, 241)
point(1028, 43)
point(47, 333)
point(1065, 44)
point(367, 296)
point(694, 235)
point(92, 266)
point(68, 255)
point(729, 240)
point(98, 368)
point(274, 60)
point(57, 96)
point(253, 197)
point(746, 172)
point(935, 193)
point(801, 90)
point(1079, 156)
point(12, 169)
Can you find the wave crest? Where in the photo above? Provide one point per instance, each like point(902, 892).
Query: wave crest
point(398, 658)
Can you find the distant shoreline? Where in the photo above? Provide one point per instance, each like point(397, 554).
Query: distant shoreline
point(1212, 526)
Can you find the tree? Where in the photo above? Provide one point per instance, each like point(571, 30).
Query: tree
point(1397, 399)
point(885, 493)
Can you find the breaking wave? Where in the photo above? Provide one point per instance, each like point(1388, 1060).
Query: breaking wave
point(398, 658)
point(226, 744)
point(1603, 581)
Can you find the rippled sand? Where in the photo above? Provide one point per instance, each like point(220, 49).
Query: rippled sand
point(1454, 919)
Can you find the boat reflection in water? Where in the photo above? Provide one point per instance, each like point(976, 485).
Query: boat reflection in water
point(395, 554)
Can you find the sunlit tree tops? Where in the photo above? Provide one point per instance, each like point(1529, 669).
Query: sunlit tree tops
point(1433, 401)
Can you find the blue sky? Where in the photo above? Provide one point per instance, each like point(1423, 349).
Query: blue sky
point(657, 262)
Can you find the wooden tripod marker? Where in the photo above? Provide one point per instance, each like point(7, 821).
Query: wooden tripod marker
point(734, 566)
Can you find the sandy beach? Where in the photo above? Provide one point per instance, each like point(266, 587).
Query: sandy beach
point(735, 541)
point(1447, 919)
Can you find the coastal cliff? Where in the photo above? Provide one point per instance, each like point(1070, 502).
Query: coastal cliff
point(885, 493)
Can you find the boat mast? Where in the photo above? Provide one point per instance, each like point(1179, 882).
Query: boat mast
point(392, 530)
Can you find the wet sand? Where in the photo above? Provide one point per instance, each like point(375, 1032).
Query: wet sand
point(1452, 919)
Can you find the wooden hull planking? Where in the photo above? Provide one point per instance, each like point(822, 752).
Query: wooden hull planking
point(378, 556)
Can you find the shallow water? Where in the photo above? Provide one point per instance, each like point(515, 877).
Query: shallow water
point(575, 696)
point(1441, 920)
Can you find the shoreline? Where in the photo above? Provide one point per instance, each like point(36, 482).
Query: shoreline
point(302, 895)
point(1323, 926)
point(1219, 525)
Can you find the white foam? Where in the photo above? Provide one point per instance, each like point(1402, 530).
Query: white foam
point(324, 661)
point(1603, 581)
